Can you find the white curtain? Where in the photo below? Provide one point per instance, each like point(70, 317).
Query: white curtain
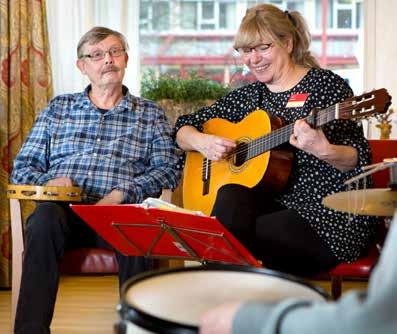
point(68, 20)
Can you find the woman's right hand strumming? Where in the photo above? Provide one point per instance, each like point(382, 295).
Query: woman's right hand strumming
point(212, 147)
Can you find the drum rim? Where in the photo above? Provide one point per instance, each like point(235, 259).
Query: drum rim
point(147, 321)
point(153, 323)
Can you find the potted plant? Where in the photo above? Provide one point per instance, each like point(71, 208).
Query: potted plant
point(181, 96)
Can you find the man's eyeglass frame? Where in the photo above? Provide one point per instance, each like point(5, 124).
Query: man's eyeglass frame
point(100, 54)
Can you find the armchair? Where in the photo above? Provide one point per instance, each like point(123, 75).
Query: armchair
point(75, 261)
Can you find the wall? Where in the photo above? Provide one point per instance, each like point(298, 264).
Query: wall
point(380, 54)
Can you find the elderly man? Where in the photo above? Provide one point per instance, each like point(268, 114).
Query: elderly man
point(117, 147)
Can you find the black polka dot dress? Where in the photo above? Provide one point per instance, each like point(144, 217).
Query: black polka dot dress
point(311, 179)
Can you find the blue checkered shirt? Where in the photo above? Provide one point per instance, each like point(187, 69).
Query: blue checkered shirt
point(128, 148)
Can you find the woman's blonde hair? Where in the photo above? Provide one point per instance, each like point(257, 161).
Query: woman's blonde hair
point(266, 21)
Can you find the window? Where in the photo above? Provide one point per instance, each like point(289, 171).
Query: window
point(207, 15)
point(359, 14)
point(283, 4)
point(201, 39)
point(227, 15)
point(144, 16)
point(347, 14)
point(161, 16)
point(341, 14)
point(188, 15)
point(344, 17)
point(154, 15)
point(178, 35)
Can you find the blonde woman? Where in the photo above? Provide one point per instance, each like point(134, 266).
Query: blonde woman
point(292, 231)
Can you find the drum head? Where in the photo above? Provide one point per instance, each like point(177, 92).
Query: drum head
point(173, 301)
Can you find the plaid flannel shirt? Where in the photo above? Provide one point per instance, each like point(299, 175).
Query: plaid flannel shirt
point(128, 148)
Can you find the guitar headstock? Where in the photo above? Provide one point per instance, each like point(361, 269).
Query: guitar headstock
point(365, 105)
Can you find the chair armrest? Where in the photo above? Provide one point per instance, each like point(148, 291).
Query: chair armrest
point(166, 195)
point(17, 252)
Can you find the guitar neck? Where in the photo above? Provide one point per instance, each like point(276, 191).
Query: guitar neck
point(280, 136)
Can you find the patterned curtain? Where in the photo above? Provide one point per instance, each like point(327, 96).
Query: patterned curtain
point(25, 89)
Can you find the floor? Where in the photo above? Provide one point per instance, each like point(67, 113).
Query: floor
point(87, 304)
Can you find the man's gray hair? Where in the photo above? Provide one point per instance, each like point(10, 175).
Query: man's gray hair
point(97, 34)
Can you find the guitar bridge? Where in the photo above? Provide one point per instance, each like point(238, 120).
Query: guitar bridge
point(206, 175)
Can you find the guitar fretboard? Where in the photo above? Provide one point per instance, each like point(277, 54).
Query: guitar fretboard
point(280, 136)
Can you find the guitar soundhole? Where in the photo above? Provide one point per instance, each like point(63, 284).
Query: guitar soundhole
point(240, 155)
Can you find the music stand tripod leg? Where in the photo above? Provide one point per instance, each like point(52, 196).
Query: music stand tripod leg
point(177, 238)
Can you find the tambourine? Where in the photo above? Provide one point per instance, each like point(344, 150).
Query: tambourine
point(44, 193)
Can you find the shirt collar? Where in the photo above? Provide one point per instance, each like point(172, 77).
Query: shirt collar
point(128, 102)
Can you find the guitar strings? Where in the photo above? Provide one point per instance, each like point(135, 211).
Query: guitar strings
point(322, 116)
point(283, 133)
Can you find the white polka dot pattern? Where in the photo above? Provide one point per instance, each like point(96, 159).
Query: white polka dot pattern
point(311, 179)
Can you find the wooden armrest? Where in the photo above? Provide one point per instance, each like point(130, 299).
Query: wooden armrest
point(166, 195)
point(29, 192)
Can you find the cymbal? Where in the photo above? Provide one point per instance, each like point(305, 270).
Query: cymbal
point(372, 202)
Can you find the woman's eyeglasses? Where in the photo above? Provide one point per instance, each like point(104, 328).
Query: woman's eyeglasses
point(261, 48)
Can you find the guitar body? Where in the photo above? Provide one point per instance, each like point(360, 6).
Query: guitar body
point(272, 167)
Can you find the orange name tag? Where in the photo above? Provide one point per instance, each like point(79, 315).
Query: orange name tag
point(297, 100)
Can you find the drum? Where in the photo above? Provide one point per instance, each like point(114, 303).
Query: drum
point(173, 301)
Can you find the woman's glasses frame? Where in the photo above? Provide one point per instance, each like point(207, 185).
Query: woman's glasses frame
point(262, 49)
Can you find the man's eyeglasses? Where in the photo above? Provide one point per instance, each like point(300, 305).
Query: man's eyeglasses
point(261, 48)
point(100, 54)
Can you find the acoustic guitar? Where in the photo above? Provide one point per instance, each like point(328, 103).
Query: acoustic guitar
point(258, 156)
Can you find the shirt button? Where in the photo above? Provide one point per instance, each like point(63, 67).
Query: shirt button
point(89, 173)
point(95, 154)
point(98, 140)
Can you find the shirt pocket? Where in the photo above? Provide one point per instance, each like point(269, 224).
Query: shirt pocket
point(130, 149)
point(68, 143)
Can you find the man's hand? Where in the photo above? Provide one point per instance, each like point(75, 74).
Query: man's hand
point(114, 197)
point(220, 319)
point(60, 182)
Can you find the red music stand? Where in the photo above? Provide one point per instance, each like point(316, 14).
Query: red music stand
point(139, 231)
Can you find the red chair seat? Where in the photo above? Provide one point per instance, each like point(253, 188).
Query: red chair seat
point(359, 269)
point(89, 261)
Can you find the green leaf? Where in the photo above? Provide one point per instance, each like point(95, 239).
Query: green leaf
point(191, 89)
